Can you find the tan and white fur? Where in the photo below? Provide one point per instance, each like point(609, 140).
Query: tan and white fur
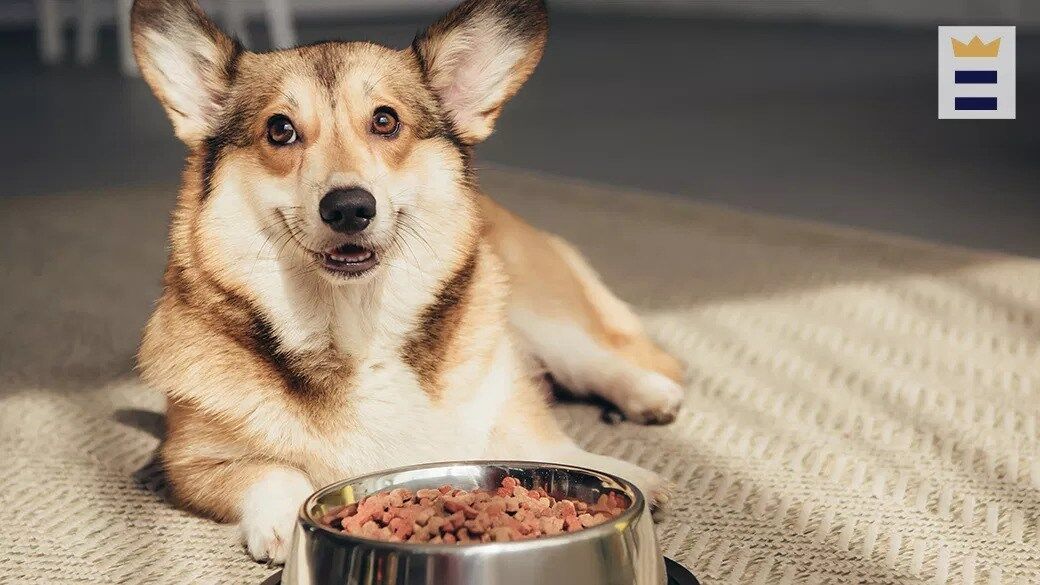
point(294, 354)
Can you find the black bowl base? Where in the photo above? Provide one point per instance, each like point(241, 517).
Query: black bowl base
point(678, 574)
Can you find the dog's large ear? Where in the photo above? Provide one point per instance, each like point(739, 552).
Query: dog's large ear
point(478, 55)
point(187, 62)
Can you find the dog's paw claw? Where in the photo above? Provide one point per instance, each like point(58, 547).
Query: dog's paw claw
point(654, 401)
point(660, 495)
point(657, 490)
point(270, 507)
point(657, 417)
point(271, 547)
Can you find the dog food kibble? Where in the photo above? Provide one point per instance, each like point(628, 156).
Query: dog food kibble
point(454, 516)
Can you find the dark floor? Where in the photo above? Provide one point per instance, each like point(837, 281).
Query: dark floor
point(820, 122)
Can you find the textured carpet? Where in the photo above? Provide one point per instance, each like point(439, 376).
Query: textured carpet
point(861, 409)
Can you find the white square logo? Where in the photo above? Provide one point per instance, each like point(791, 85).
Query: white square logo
point(977, 72)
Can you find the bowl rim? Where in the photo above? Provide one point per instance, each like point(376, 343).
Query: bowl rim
point(617, 525)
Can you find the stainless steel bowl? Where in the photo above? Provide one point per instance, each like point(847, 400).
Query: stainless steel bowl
point(621, 552)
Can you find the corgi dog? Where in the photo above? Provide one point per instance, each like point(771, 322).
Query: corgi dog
point(340, 297)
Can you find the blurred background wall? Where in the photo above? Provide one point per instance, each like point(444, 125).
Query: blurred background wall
point(21, 12)
point(815, 109)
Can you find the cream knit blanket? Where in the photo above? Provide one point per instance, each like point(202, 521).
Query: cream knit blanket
point(860, 408)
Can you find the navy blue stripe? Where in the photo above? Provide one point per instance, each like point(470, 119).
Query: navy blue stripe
point(975, 77)
point(975, 103)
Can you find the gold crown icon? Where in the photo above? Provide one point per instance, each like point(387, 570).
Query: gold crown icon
point(976, 48)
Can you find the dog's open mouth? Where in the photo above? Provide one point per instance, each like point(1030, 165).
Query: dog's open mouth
point(349, 259)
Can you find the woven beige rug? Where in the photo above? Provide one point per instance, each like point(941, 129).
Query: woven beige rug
point(860, 408)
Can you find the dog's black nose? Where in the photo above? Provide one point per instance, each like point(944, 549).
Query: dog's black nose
point(347, 210)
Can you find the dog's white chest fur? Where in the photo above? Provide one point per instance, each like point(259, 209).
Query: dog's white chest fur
point(393, 421)
point(390, 419)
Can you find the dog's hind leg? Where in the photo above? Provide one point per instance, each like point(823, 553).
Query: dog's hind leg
point(589, 340)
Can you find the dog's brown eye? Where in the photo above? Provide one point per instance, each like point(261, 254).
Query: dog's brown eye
point(384, 122)
point(280, 130)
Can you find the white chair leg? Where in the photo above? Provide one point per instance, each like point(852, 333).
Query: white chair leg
point(280, 24)
point(86, 32)
point(50, 31)
point(237, 20)
point(126, 48)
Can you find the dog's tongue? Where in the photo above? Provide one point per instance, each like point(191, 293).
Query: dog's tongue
point(350, 253)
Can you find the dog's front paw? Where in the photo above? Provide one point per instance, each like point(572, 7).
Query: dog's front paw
point(657, 490)
point(654, 399)
point(269, 511)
